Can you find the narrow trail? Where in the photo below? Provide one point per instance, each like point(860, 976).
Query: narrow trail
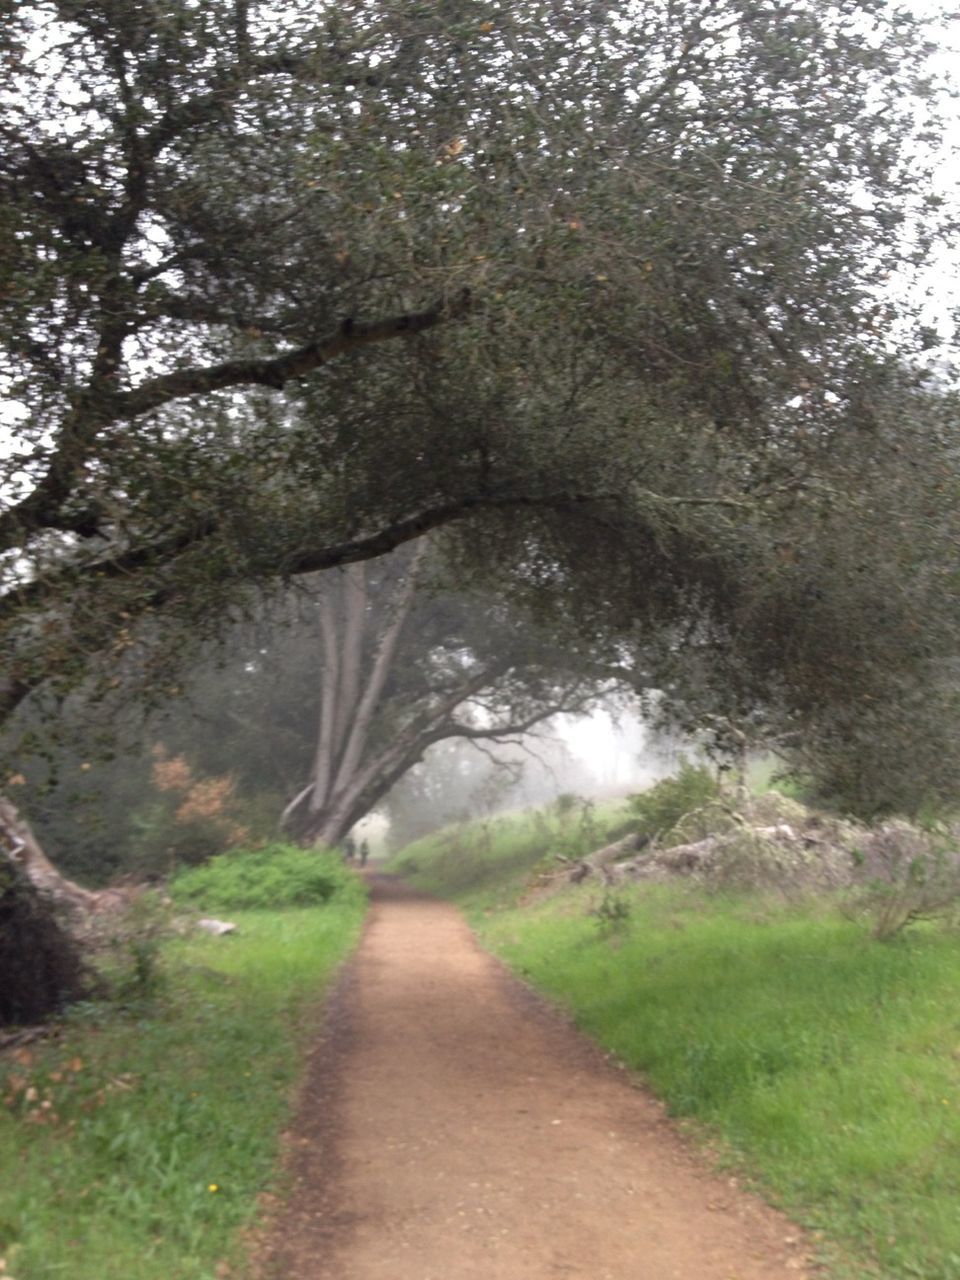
point(454, 1128)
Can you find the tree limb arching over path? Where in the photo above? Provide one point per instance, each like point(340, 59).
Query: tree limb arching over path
point(451, 1126)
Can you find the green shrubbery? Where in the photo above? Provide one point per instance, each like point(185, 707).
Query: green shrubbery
point(661, 807)
point(278, 875)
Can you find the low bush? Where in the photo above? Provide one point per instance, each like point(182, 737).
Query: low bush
point(125, 947)
point(278, 875)
point(660, 808)
point(906, 876)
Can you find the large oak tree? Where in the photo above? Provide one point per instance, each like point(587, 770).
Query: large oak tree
point(607, 289)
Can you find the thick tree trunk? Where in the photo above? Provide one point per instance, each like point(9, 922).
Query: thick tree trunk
point(41, 968)
point(22, 848)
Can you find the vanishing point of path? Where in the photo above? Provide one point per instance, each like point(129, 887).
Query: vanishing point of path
point(453, 1128)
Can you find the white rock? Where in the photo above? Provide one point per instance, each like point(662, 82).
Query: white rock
point(216, 927)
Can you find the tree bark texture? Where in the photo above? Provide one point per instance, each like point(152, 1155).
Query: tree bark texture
point(41, 969)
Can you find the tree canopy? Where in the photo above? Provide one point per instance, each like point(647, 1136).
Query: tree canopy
point(605, 289)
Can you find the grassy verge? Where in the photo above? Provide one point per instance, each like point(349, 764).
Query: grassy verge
point(135, 1145)
point(486, 864)
point(827, 1063)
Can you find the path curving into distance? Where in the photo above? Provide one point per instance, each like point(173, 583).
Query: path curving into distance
point(452, 1127)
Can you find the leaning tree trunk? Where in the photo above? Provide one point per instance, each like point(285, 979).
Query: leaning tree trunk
point(22, 847)
point(41, 969)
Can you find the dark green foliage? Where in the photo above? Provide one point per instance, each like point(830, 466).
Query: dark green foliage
point(278, 875)
point(159, 843)
point(666, 803)
point(610, 290)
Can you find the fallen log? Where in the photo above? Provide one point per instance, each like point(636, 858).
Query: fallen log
point(594, 863)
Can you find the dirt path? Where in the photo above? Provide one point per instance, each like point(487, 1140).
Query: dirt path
point(453, 1128)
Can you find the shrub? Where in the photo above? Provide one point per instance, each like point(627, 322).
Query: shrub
point(129, 942)
point(671, 800)
point(278, 875)
point(909, 877)
point(612, 913)
point(190, 818)
point(159, 843)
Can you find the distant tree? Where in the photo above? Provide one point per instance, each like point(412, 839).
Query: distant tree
point(344, 683)
point(404, 668)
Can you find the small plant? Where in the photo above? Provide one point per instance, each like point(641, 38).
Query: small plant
point(568, 828)
point(612, 912)
point(127, 944)
point(278, 875)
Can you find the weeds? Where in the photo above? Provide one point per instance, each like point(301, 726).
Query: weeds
point(132, 941)
point(612, 913)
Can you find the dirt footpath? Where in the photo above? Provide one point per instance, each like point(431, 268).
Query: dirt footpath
point(453, 1128)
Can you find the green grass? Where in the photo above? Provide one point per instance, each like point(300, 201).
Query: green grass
point(485, 864)
point(827, 1063)
point(162, 1120)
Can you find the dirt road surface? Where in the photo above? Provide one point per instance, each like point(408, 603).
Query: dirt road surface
point(452, 1127)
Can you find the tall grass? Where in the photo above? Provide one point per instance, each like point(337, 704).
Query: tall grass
point(135, 1145)
point(827, 1062)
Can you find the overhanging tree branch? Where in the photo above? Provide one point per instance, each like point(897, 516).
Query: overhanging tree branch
point(146, 597)
point(128, 563)
point(278, 371)
point(41, 508)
